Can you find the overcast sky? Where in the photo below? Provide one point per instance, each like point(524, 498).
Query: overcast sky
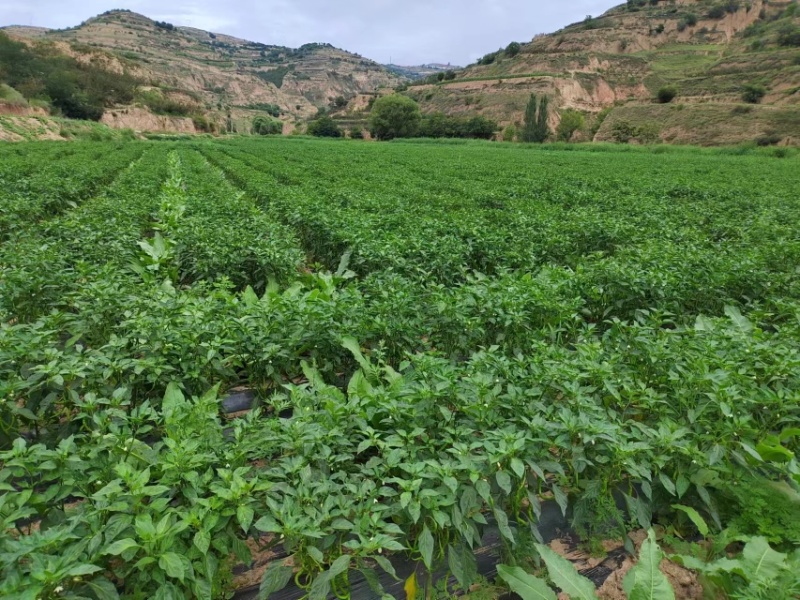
point(408, 32)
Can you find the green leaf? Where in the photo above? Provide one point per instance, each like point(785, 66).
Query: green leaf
point(373, 581)
point(789, 433)
point(316, 554)
point(103, 589)
point(425, 544)
point(565, 576)
point(172, 565)
point(387, 566)
point(761, 562)
point(698, 521)
point(340, 565)
point(276, 577)
point(121, 546)
point(645, 581)
point(268, 525)
point(245, 514)
point(173, 399)
point(321, 586)
point(525, 585)
point(504, 481)
point(82, 570)
point(667, 483)
point(463, 565)
point(738, 319)
point(202, 540)
point(751, 451)
point(770, 449)
point(502, 524)
point(202, 590)
point(249, 297)
point(703, 324)
point(561, 499)
point(353, 346)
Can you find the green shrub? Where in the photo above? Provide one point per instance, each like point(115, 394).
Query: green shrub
point(789, 35)
point(571, 121)
point(513, 49)
point(439, 125)
point(667, 94)
point(266, 126)
point(624, 132)
point(325, 126)
point(769, 139)
point(599, 120)
point(11, 96)
point(356, 133)
point(753, 93)
point(160, 104)
point(274, 76)
point(203, 124)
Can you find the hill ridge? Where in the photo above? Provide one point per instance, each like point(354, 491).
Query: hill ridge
point(610, 65)
point(226, 79)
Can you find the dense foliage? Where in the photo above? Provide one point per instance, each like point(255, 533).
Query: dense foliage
point(439, 125)
point(77, 90)
point(438, 339)
point(325, 126)
point(263, 125)
point(394, 116)
point(535, 126)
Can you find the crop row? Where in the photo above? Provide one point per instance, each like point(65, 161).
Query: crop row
point(488, 337)
point(401, 458)
point(683, 248)
point(58, 185)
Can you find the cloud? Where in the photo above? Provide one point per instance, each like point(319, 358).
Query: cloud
point(407, 31)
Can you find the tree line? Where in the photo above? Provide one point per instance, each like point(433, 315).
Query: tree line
point(397, 116)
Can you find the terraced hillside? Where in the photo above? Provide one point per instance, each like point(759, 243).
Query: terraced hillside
point(229, 80)
point(708, 51)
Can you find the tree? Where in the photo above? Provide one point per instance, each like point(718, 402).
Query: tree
point(542, 128)
point(535, 128)
point(509, 133)
point(324, 127)
point(571, 121)
point(480, 128)
point(513, 49)
point(394, 117)
point(265, 126)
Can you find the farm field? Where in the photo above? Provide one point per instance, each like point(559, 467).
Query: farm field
point(441, 339)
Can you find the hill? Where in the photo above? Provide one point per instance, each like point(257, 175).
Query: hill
point(219, 80)
point(421, 71)
point(611, 68)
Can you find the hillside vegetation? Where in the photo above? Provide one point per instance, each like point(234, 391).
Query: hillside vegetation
point(709, 53)
point(214, 82)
